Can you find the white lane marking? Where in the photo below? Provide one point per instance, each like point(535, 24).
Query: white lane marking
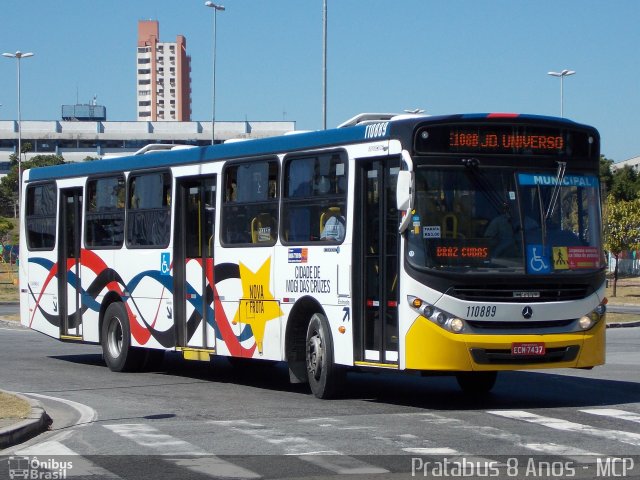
point(432, 451)
point(305, 449)
point(510, 438)
point(563, 450)
point(566, 426)
point(46, 448)
point(517, 440)
point(615, 413)
point(87, 414)
point(167, 445)
point(343, 464)
point(79, 466)
point(149, 437)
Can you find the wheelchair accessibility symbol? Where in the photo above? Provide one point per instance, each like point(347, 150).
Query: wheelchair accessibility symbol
point(538, 260)
point(165, 263)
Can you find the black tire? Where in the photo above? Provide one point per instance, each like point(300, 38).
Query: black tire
point(477, 383)
point(118, 353)
point(325, 377)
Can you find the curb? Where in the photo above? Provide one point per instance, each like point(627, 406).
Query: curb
point(11, 324)
point(36, 422)
point(624, 325)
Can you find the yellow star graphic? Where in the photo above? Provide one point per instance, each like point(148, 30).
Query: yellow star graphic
point(257, 305)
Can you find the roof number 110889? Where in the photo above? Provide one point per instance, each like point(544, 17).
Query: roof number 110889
point(484, 311)
point(376, 130)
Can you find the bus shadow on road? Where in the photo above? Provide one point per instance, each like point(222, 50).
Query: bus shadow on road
point(513, 390)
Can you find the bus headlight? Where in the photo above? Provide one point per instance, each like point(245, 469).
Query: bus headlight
point(439, 317)
point(456, 325)
point(589, 320)
point(585, 322)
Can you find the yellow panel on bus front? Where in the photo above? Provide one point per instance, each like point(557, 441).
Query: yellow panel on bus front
point(430, 347)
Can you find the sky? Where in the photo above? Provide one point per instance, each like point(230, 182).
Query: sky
point(453, 56)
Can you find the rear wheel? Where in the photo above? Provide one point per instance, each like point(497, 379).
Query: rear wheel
point(325, 377)
point(118, 353)
point(477, 383)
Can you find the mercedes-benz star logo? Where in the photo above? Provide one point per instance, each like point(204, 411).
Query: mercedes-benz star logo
point(527, 312)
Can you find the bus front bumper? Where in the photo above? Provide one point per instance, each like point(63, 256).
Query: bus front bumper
point(431, 348)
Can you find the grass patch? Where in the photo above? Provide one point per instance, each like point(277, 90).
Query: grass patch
point(622, 317)
point(627, 291)
point(9, 290)
point(13, 407)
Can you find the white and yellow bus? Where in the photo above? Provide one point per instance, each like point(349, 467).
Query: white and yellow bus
point(460, 244)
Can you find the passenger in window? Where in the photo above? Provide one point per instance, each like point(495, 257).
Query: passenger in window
point(135, 199)
point(324, 185)
point(501, 232)
point(334, 229)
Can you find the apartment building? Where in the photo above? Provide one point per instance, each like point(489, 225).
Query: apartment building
point(163, 77)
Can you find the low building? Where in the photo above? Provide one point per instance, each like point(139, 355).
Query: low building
point(77, 140)
point(632, 162)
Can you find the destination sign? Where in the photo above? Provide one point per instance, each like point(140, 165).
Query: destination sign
point(456, 252)
point(502, 139)
point(493, 141)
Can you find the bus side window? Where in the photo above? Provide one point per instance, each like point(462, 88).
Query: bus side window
point(104, 216)
point(300, 185)
point(315, 191)
point(149, 217)
point(41, 216)
point(250, 208)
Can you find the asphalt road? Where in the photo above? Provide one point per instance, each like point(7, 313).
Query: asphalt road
point(195, 420)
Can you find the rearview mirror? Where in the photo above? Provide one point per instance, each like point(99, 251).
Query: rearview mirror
point(404, 190)
point(404, 197)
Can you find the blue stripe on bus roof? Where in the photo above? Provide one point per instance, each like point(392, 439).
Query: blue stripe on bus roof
point(259, 147)
point(248, 148)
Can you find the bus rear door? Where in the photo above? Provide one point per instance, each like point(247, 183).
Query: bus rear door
point(193, 264)
point(69, 284)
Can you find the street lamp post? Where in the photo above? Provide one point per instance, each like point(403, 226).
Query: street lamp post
point(324, 64)
point(216, 8)
point(562, 74)
point(18, 56)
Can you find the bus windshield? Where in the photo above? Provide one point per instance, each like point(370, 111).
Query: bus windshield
point(499, 219)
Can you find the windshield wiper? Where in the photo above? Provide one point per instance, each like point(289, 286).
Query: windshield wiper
point(562, 167)
point(543, 223)
point(478, 177)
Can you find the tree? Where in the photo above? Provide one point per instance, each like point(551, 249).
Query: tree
point(9, 183)
point(625, 184)
point(621, 229)
point(606, 176)
point(6, 226)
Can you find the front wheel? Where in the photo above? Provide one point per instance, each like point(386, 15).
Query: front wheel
point(118, 353)
point(325, 377)
point(477, 383)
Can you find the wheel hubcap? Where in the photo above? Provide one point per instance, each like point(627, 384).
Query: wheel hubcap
point(114, 337)
point(314, 356)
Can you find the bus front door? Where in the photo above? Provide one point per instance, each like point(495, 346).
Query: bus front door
point(193, 263)
point(69, 284)
point(376, 252)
